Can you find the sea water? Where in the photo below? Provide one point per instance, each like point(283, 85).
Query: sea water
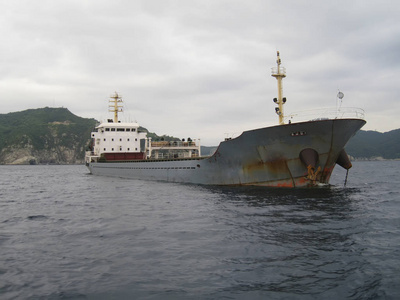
point(65, 234)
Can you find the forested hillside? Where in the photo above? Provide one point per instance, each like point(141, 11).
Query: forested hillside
point(44, 135)
point(372, 144)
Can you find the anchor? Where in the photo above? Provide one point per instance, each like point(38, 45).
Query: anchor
point(309, 157)
point(312, 174)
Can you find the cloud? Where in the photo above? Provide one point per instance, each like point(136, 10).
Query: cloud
point(200, 68)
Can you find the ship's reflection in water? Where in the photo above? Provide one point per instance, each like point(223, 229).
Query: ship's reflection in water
point(301, 241)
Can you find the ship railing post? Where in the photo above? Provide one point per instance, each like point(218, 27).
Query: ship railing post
point(199, 147)
point(149, 147)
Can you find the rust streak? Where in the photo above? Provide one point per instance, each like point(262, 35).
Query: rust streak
point(278, 168)
point(275, 166)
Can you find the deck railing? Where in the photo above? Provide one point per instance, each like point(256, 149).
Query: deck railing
point(280, 70)
point(173, 144)
point(326, 113)
point(174, 155)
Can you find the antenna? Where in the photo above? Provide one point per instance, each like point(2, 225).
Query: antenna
point(114, 107)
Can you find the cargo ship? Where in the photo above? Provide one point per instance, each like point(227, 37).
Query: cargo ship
point(294, 153)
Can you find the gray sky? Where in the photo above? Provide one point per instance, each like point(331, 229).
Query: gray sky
point(201, 68)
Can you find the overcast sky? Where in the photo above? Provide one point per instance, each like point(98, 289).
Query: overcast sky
point(201, 68)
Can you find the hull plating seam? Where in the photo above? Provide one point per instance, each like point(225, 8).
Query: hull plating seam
point(144, 168)
point(151, 160)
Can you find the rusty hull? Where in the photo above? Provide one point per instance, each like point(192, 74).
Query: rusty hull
point(265, 157)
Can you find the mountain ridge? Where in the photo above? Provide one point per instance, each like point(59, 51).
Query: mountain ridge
point(43, 136)
point(373, 144)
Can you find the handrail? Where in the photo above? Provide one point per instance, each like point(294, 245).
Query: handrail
point(326, 113)
point(280, 70)
point(173, 144)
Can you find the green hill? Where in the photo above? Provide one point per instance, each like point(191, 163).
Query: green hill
point(44, 135)
point(369, 144)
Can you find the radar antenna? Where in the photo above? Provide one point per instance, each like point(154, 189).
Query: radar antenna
point(339, 96)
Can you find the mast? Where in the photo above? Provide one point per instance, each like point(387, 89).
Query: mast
point(279, 73)
point(114, 107)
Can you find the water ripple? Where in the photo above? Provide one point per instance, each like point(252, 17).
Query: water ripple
point(67, 235)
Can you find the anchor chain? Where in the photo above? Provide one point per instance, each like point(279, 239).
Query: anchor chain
point(345, 180)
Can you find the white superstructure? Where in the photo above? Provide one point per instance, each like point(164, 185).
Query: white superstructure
point(120, 141)
point(118, 138)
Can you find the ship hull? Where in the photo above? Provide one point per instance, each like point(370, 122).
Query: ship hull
point(265, 157)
